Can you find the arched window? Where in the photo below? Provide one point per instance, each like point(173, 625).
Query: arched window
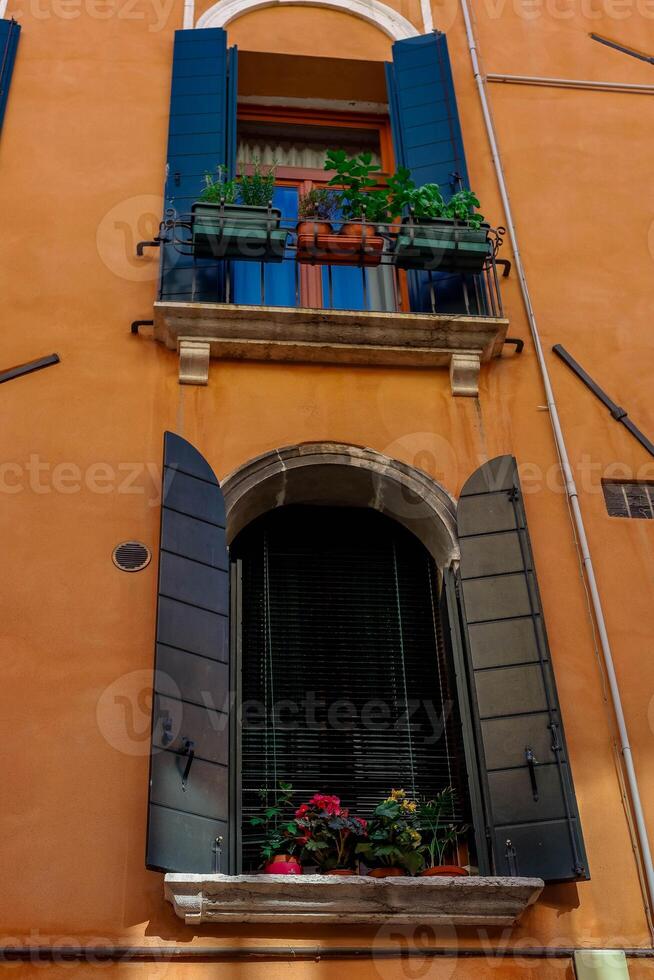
point(344, 601)
point(346, 687)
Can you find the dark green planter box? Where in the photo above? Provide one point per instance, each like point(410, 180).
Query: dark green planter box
point(442, 245)
point(237, 231)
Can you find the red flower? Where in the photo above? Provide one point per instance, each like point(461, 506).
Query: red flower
point(301, 810)
point(331, 804)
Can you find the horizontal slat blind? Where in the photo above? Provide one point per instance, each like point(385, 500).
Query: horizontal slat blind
point(340, 636)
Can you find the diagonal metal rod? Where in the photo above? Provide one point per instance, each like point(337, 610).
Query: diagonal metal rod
point(618, 413)
point(28, 368)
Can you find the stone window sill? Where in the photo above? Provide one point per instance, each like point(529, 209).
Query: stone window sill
point(324, 899)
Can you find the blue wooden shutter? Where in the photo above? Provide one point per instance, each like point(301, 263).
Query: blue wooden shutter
point(9, 36)
point(427, 139)
point(424, 115)
point(188, 807)
point(532, 815)
point(201, 135)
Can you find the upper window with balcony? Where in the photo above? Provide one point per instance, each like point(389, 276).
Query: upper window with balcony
point(323, 212)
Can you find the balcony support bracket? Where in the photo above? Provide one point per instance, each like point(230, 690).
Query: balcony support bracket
point(194, 358)
point(464, 374)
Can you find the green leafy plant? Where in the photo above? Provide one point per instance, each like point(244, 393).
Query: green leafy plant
point(356, 176)
point(427, 202)
point(393, 837)
point(438, 828)
point(218, 189)
point(328, 834)
point(461, 207)
point(255, 189)
point(278, 827)
point(319, 204)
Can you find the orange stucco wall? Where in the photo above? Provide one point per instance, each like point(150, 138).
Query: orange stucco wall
point(81, 165)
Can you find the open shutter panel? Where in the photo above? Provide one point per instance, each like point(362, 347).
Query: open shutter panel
point(424, 115)
point(189, 768)
point(201, 136)
point(532, 811)
point(427, 139)
point(9, 36)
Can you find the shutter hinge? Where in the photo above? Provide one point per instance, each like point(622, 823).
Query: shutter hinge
point(556, 742)
point(189, 749)
point(514, 494)
point(531, 763)
point(511, 859)
point(217, 853)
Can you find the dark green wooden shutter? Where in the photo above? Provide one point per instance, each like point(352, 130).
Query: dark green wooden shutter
point(427, 139)
point(531, 807)
point(201, 136)
point(9, 37)
point(189, 768)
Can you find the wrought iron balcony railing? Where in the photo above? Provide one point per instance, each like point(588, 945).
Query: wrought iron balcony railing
point(220, 254)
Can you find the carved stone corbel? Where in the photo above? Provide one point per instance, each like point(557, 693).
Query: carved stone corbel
point(194, 356)
point(464, 374)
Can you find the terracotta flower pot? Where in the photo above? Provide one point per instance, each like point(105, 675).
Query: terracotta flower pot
point(342, 872)
point(313, 227)
point(387, 873)
point(356, 229)
point(444, 871)
point(283, 864)
point(340, 249)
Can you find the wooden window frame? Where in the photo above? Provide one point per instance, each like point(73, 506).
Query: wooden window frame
point(305, 179)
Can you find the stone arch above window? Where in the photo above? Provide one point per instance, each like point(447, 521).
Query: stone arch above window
point(385, 18)
point(345, 475)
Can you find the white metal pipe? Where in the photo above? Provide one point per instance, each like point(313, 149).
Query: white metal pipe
point(579, 83)
point(189, 15)
point(427, 16)
point(3, 8)
point(571, 489)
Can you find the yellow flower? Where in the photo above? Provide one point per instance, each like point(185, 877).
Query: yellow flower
point(409, 807)
point(397, 795)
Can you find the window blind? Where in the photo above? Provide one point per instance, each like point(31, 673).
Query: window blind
point(346, 689)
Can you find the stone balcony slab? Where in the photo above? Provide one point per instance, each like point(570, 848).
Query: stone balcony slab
point(201, 331)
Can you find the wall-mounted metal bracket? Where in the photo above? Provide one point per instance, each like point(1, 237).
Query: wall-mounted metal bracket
point(155, 243)
point(140, 323)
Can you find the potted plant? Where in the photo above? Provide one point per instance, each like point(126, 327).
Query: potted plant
point(316, 240)
point(279, 833)
point(235, 219)
point(393, 845)
point(437, 234)
point(363, 208)
point(439, 834)
point(329, 835)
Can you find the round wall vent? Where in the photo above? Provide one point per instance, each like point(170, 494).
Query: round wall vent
point(131, 556)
